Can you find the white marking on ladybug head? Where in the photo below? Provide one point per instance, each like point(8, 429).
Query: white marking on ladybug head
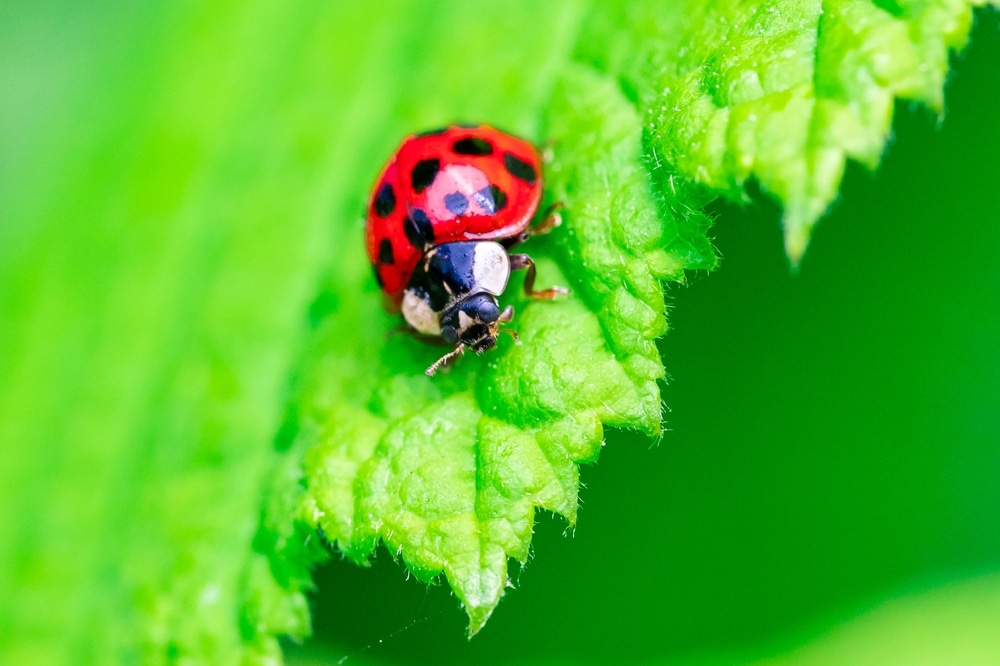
point(419, 314)
point(491, 267)
point(464, 321)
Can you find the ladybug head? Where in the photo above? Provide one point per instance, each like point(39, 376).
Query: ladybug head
point(474, 322)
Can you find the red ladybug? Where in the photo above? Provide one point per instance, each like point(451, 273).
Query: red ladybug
point(443, 214)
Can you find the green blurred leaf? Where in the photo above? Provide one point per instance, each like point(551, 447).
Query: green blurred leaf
point(951, 624)
point(782, 91)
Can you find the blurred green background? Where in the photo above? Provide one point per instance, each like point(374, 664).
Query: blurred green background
point(175, 179)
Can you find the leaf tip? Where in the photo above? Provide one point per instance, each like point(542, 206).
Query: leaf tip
point(478, 616)
point(798, 232)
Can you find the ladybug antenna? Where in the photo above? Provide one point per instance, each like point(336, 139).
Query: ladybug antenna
point(458, 351)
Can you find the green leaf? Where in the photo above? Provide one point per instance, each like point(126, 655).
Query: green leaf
point(448, 473)
point(171, 194)
point(782, 92)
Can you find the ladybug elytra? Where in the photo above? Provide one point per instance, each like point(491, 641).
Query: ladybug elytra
point(443, 215)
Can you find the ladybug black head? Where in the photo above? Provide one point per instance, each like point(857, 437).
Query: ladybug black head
point(473, 322)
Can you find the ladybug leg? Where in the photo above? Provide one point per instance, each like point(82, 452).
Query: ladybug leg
point(509, 243)
point(444, 360)
point(550, 220)
point(548, 151)
point(519, 261)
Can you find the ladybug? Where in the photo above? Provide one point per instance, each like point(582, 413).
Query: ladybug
point(442, 218)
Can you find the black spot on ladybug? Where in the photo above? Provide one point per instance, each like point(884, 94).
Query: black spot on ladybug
point(423, 174)
point(472, 145)
point(491, 199)
point(385, 200)
point(433, 132)
point(423, 223)
point(499, 198)
point(519, 168)
point(412, 233)
point(385, 255)
point(418, 229)
point(484, 198)
point(456, 203)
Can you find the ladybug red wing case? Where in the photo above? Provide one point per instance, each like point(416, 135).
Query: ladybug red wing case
point(436, 213)
point(454, 184)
